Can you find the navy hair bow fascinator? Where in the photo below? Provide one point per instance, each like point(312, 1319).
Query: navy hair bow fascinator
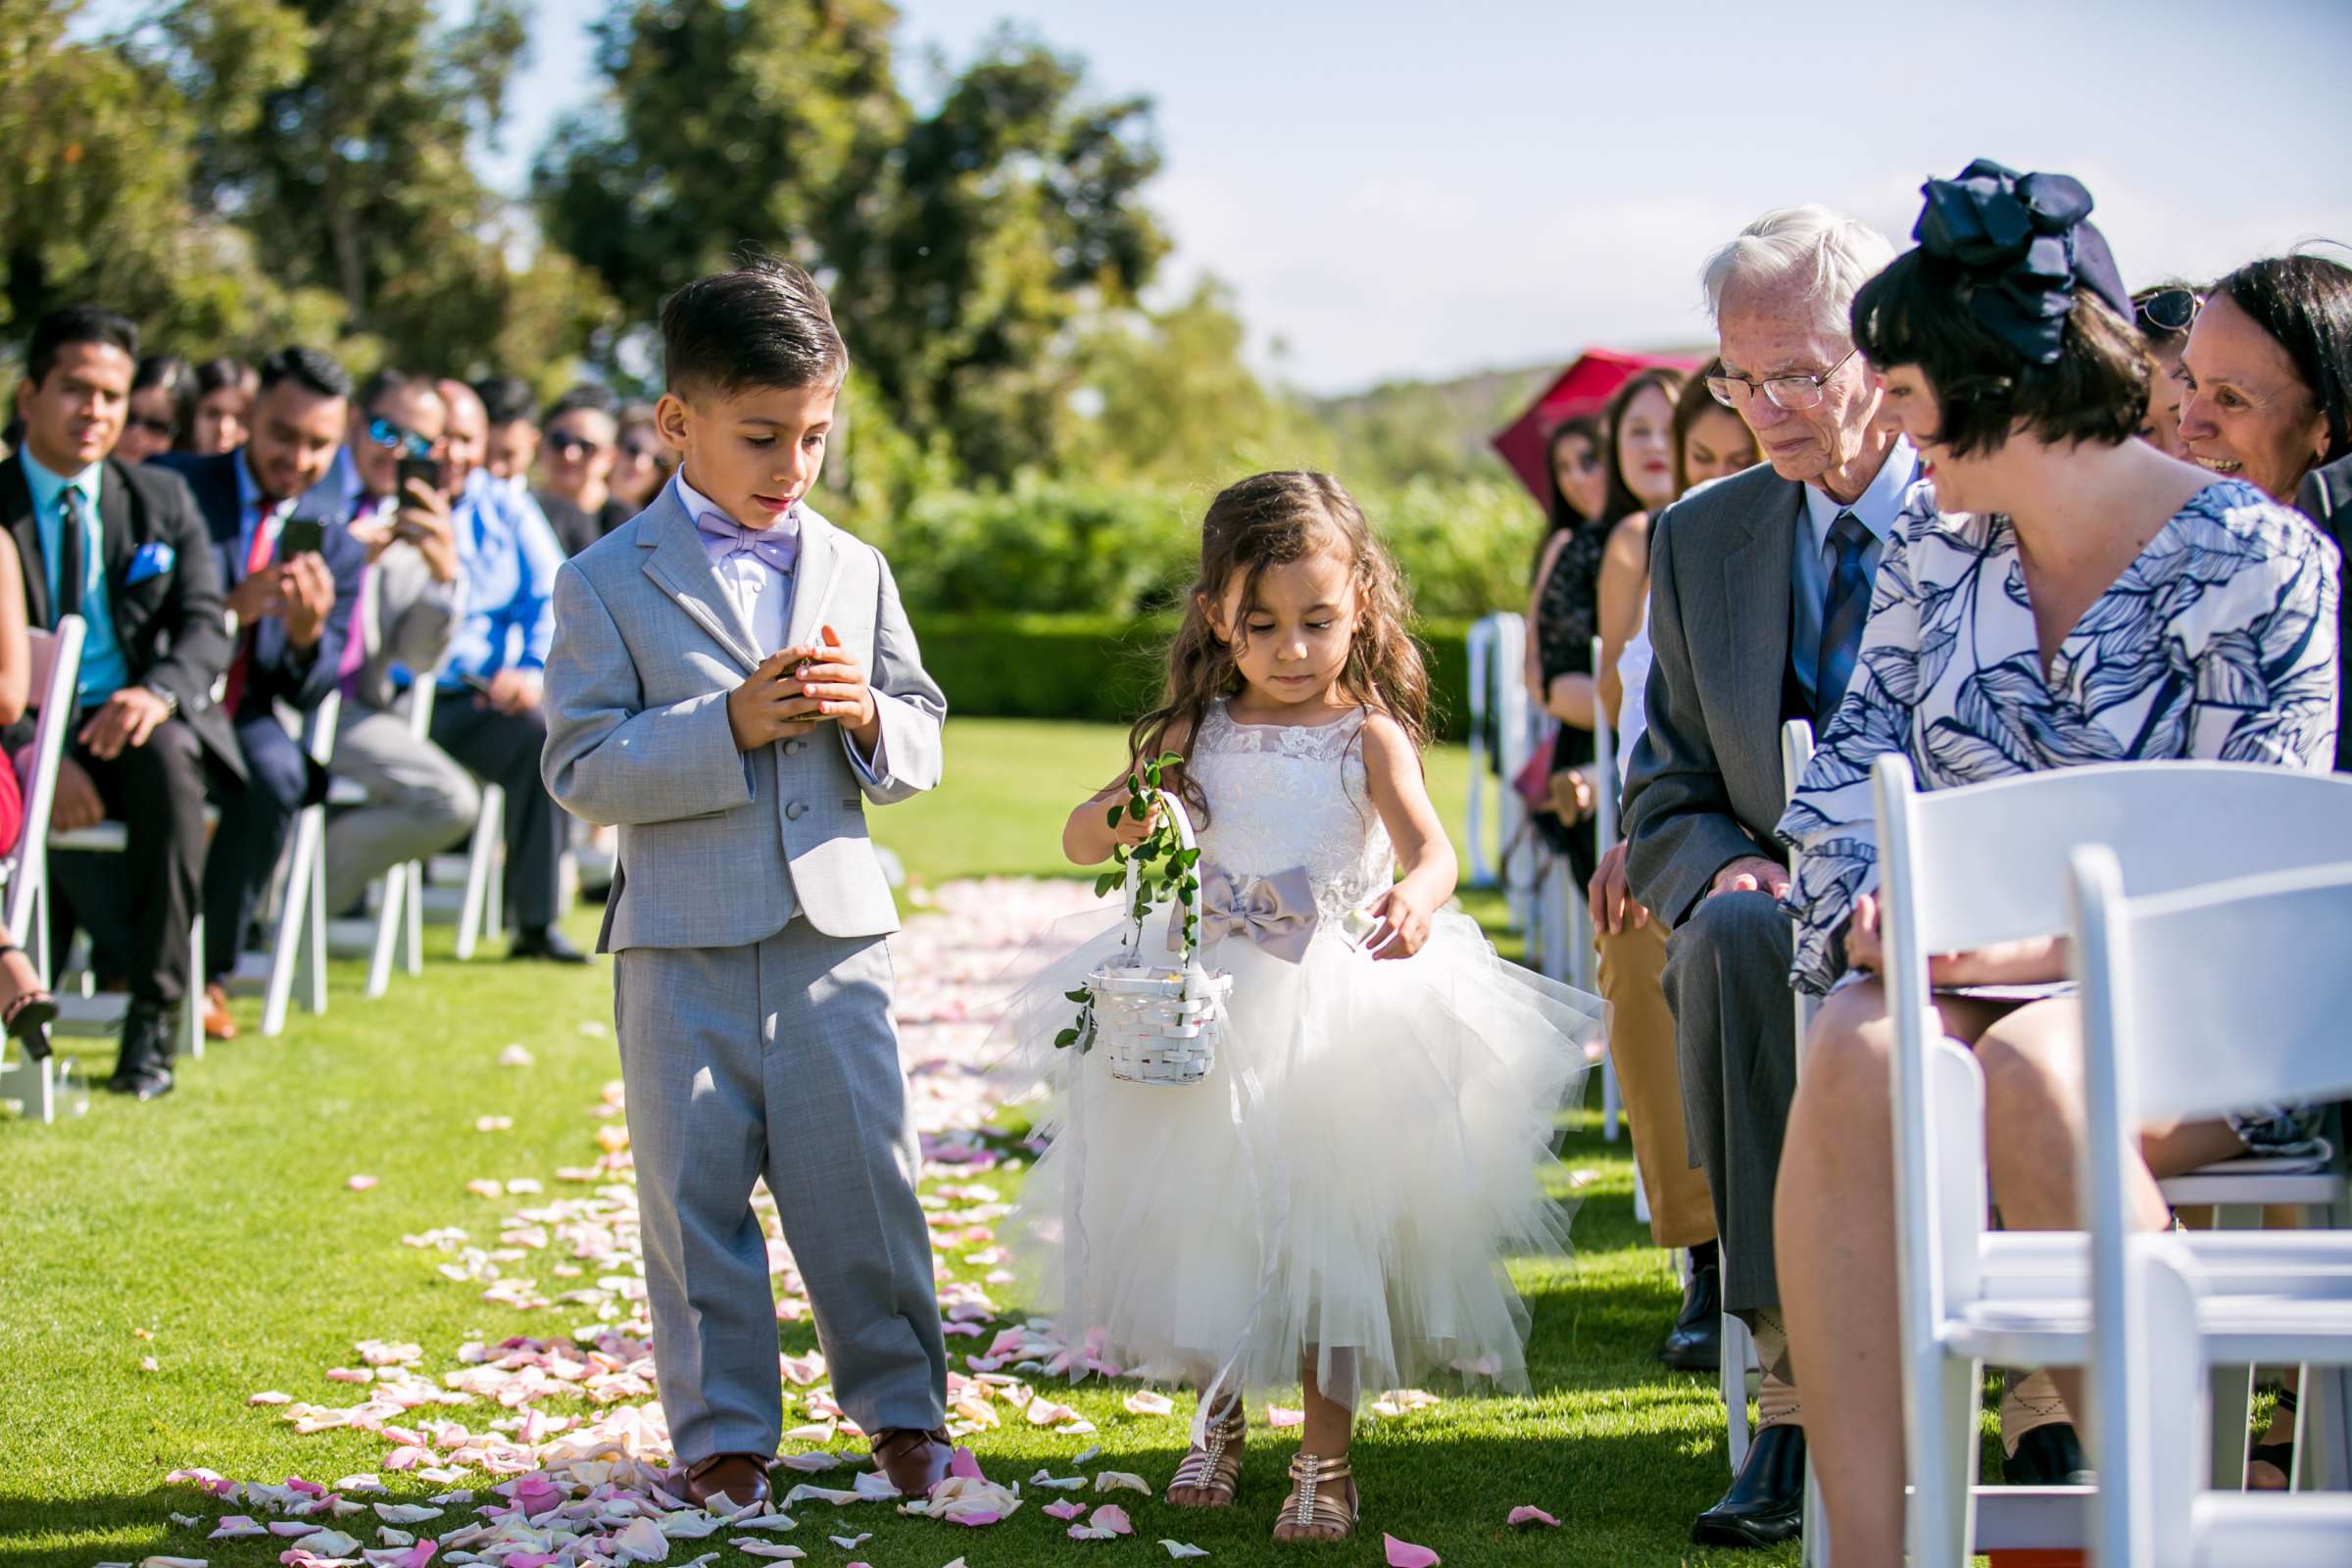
point(2025, 242)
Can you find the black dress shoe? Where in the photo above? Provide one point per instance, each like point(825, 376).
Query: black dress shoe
point(1696, 1342)
point(147, 1083)
point(1766, 1504)
point(143, 1065)
point(545, 943)
point(2049, 1456)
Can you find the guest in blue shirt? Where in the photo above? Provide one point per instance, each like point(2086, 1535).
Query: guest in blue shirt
point(125, 549)
point(488, 715)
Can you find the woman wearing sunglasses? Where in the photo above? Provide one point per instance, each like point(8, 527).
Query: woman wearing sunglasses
point(152, 424)
point(641, 464)
point(2163, 313)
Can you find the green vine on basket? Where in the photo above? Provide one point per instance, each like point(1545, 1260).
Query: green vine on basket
point(1164, 868)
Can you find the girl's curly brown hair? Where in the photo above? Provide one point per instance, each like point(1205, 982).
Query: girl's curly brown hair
point(1270, 519)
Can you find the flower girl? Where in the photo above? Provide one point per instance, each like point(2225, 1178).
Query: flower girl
point(1333, 1200)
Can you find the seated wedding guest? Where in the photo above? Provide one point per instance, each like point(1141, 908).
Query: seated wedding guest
point(292, 576)
point(641, 464)
point(1710, 442)
point(1641, 482)
point(157, 391)
point(125, 548)
point(2016, 370)
point(577, 449)
point(1758, 588)
point(512, 412)
point(489, 713)
point(2268, 369)
point(1575, 468)
point(420, 799)
point(1637, 471)
point(2164, 312)
point(220, 400)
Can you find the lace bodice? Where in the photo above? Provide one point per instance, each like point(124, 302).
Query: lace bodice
point(1288, 795)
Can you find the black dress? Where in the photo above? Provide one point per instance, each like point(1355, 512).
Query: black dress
point(1567, 618)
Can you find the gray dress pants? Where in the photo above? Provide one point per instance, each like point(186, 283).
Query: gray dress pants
point(777, 1061)
point(1734, 1034)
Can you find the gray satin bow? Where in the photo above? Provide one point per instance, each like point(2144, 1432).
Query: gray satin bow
point(1277, 913)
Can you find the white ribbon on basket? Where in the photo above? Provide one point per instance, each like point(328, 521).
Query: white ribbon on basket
point(1245, 1105)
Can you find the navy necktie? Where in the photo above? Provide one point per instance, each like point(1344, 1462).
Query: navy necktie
point(1843, 614)
point(72, 534)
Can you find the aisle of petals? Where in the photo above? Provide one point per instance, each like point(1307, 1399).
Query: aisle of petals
point(550, 1451)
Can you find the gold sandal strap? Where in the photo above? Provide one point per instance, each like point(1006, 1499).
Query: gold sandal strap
point(1310, 1506)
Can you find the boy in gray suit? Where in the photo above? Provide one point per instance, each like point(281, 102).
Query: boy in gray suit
point(730, 675)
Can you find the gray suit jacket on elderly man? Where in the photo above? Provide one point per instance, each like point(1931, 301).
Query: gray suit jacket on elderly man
point(647, 649)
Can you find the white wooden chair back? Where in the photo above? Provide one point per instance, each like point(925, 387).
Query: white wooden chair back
point(2166, 983)
point(1964, 868)
point(56, 675)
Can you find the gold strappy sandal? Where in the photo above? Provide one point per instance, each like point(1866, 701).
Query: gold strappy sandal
point(1215, 1467)
point(1310, 1506)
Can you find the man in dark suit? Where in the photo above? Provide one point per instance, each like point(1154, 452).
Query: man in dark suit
point(125, 549)
point(1759, 586)
point(293, 609)
point(2326, 498)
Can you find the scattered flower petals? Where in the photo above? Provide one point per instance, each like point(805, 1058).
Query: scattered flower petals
point(147, 1364)
point(359, 1183)
point(172, 1562)
point(777, 1549)
point(1527, 1515)
point(405, 1513)
point(1120, 1481)
point(1109, 1521)
point(236, 1527)
point(1065, 1510)
point(270, 1397)
point(1277, 1417)
point(851, 1542)
point(811, 1463)
point(1143, 1402)
point(1403, 1401)
point(493, 1124)
point(1405, 1554)
point(514, 1056)
point(1182, 1548)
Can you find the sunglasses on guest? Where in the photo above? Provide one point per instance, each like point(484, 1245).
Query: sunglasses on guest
point(398, 437)
point(573, 446)
point(2169, 310)
point(160, 429)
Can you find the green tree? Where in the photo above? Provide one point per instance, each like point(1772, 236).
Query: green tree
point(963, 246)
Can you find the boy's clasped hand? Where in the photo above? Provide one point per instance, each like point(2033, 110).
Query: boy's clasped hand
point(795, 689)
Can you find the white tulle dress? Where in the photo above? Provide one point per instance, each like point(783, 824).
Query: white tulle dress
point(1369, 1148)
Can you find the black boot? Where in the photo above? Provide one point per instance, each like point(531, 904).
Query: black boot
point(1766, 1504)
point(545, 943)
point(144, 1067)
point(2049, 1456)
point(1696, 1342)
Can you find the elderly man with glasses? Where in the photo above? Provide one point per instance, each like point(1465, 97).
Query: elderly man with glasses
point(1759, 586)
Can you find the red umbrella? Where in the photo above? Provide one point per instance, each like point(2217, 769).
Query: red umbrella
point(1582, 388)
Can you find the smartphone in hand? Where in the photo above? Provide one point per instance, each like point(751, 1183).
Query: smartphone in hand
point(301, 536)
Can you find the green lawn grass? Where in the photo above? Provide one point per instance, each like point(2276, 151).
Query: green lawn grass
point(219, 1221)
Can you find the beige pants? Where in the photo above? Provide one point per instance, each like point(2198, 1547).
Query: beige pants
point(1642, 1045)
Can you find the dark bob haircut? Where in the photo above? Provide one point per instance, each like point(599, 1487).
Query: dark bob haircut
point(1916, 313)
point(61, 329)
point(2305, 304)
point(765, 324)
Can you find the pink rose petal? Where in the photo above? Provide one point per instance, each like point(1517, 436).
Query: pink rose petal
point(1278, 1417)
point(360, 1184)
point(1143, 1402)
point(1528, 1515)
point(1405, 1554)
point(1065, 1510)
point(965, 1465)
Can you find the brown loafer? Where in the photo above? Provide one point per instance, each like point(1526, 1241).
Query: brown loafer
point(217, 1023)
point(914, 1460)
point(742, 1478)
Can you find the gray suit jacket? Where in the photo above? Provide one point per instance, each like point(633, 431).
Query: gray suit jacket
point(405, 618)
point(1704, 787)
point(720, 848)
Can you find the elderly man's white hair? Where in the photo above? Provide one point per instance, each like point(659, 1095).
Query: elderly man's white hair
point(1826, 253)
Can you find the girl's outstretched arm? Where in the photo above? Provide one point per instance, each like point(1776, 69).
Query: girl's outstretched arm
point(1087, 838)
point(1400, 792)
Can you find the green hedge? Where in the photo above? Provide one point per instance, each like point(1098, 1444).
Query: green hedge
point(1108, 670)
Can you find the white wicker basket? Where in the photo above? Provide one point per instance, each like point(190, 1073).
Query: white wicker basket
point(1158, 1022)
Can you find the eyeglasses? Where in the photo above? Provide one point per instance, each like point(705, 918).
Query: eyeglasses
point(398, 437)
point(160, 429)
point(1795, 391)
point(573, 446)
point(642, 451)
point(2169, 310)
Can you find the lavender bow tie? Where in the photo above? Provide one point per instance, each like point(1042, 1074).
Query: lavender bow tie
point(722, 536)
point(1277, 913)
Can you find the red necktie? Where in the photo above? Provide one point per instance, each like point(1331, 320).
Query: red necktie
point(257, 555)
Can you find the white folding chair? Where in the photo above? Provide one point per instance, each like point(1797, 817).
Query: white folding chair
point(56, 673)
point(1604, 835)
point(1966, 868)
point(298, 935)
point(1479, 645)
point(484, 911)
point(2195, 1003)
point(396, 933)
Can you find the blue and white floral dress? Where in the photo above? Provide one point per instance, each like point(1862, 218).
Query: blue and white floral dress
point(2218, 642)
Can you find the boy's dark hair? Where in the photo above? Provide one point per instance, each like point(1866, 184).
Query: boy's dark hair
point(61, 329)
point(313, 369)
point(2305, 304)
point(766, 324)
point(1917, 313)
point(506, 399)
point(587, 395)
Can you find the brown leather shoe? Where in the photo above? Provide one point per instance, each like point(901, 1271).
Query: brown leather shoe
point(742, 1477)
point(218, 1024)
point(916, 1461)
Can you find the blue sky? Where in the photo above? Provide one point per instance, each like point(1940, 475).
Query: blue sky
point(1416, 189)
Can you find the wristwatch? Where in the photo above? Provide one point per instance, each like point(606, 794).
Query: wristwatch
point(169, 700)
